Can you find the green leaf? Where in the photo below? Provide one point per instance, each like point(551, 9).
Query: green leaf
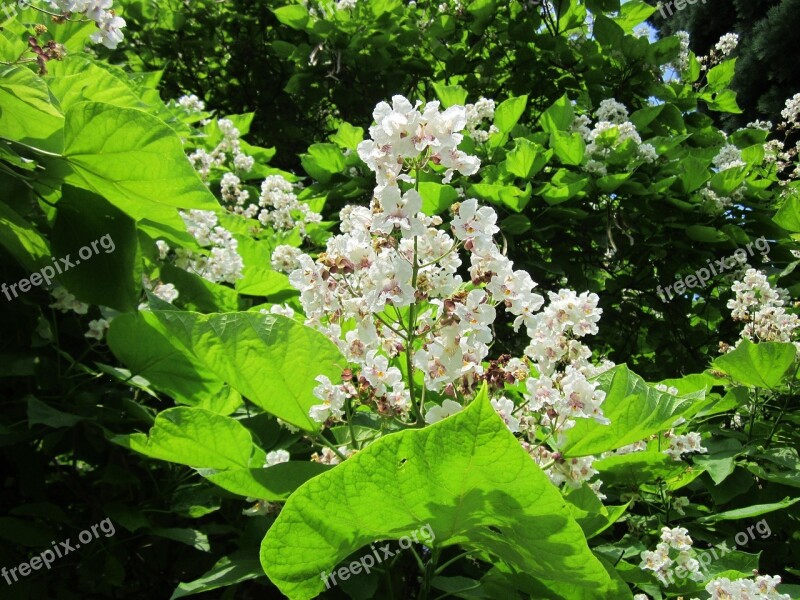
point(636, 410)
point(133, 160)
point(39, 412)
point(270, 359)
point(526, 159)
point(322, 161)
point(720, 460)
point(564, 186)
point(638, 468)
point(725, 182)
point(227, 571)
point(509, 112)
point(721, 76)
point(294, 15)
point(723, 101)
point(569, 147)
point(508, 195)
point(750, 511)
point(26, 112)
point(590, 513)
point(23, 240)
point(108, 273)
point(194, 437)
point(606, 31)
point(694, 173)
point(348, 136)
point(515, 224)
point(198, 293)
point(450, 95)
point(145, 346)
point(466, 480)
point(81, 80)
point(275, 483)
point(436, 197)
point(633, 13)
point(558, 117)
point(191, 537)
point(759, 365)
point(788, 216)
point(709, 235)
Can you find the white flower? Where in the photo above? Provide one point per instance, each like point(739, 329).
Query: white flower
point(763, 588)
point(276, 457)
point(286, 258)
point(191, 103)
point(66, 302)
point(505, 407)
point(223, 264)
point(472, 221)
point(279, 309)
point(398, 212)
point(437, 413)
point(332, 396)
point(97, 329)
point(683, 444)
point(379, 374)
point(163, 249)
point(727, 43)
point(792, 111)
point(166, 292)
point(612, 111)
point(728, 157)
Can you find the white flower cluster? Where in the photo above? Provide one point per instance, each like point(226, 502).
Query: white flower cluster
point(280, 208)
point(97, 329)
point(728, 157)
point(66, 302)
point(682, 61)
point(791, 113)
point(223, 263)
point(346, 4)
point(391, 283)
point(762, 310)
point(402, 134)
point(683, 444)
point(229, 147)
point(762, 588)
point(191, 103)
point(713, 201)
point(612, 129)
point(672, 552)
point(482, 110)
point(277, 207)
point(727, 44)
point(761, 125)
point(108, 24)
point(286, 258)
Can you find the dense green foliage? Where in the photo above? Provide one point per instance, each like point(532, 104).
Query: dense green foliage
point(164, 422)
point(767, 72)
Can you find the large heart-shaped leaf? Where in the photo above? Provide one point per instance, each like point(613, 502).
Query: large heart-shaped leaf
point(467, 478)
